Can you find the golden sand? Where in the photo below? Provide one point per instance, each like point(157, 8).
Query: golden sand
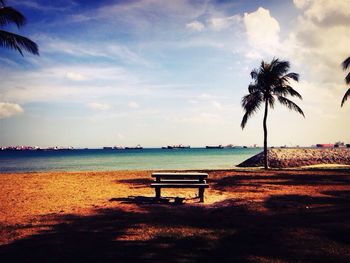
point(32, 204)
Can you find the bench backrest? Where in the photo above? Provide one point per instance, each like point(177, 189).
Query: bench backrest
point(179, 176)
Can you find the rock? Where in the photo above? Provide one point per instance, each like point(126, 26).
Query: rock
point(296, 157)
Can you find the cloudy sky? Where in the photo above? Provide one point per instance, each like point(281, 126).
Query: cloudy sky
point(159, 72)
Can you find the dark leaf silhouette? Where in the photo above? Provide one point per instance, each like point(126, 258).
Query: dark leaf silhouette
point(9, 15)
point(346, 65)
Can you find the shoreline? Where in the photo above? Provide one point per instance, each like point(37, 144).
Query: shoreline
point(233, 169)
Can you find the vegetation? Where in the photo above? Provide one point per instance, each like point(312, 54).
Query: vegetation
point(271, 82)
point(346, 65)
point(9, 15)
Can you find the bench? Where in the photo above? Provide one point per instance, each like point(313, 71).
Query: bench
point(180, 180)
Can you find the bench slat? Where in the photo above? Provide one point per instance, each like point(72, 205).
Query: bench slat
point(179, 185)
point(181, 181)
point(180, 175)
point(155, 174)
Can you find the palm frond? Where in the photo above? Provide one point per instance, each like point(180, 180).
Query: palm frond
point(245, 119)
point(346, 63)
point(290, 104)
point(10, 15)
point(279, 68)
point(271, 101)
point(280, 90)
point(254, 74)
point(253, 88)
point(246, 116)
point(17, 42)
point(287, 90)
point(346, 95)
point(291, 75)
point(251, 100)
point(251, 104)
point(347, 78)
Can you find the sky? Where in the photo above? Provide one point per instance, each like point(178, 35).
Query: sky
point(164, 72)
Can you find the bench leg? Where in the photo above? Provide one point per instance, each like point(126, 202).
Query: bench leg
point(201, 194)
point(157, 192)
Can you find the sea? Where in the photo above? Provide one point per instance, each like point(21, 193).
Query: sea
point(130, 159)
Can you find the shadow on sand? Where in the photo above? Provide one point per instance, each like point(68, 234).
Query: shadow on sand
point(289, 228)
point(287, 179)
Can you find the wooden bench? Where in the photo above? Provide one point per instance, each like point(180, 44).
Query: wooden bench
point(180, 180)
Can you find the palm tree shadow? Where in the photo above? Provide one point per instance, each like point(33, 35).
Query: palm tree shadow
point(340, 177)
point(140, 200)
point(224, 231)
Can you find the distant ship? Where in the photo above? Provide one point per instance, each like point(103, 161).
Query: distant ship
point(107, 148)
point(324, 145)
point(214, 147)
point(339, 145)
point(118, 148)
point(180, 146)
point(138, 147)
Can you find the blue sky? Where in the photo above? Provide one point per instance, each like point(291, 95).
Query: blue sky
point(157, 72)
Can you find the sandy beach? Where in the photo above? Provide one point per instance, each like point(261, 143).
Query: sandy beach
point(249, 215)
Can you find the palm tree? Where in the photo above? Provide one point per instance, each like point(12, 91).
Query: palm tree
point(346, 64)
point(270, 82)
point(10, 40)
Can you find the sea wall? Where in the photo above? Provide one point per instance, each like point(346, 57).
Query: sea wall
point(296, 157)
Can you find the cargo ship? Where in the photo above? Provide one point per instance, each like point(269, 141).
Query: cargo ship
point(180, 146)
point(214, 147)
point(138, 147)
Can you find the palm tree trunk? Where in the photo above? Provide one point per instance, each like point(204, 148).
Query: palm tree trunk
point(266, 165)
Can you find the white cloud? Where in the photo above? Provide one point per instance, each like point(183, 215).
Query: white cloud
point(35, 5)
point(133, 105)
point(253, 54)
point(320, 41)
point(222, 23)
point(99, 106)
point(174, 9)
point(195, 26)
point(75, 76)
point(262, 31)
point(301, 3)
point(215, 23)
point(50, 84)
point(9, 109)
point(329, 12)
point(89, 49)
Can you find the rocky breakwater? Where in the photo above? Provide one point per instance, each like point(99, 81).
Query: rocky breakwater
point(296, 157)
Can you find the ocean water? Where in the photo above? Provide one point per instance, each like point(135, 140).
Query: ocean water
point(110, 160)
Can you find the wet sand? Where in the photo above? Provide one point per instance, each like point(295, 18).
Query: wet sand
point(249, 215)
